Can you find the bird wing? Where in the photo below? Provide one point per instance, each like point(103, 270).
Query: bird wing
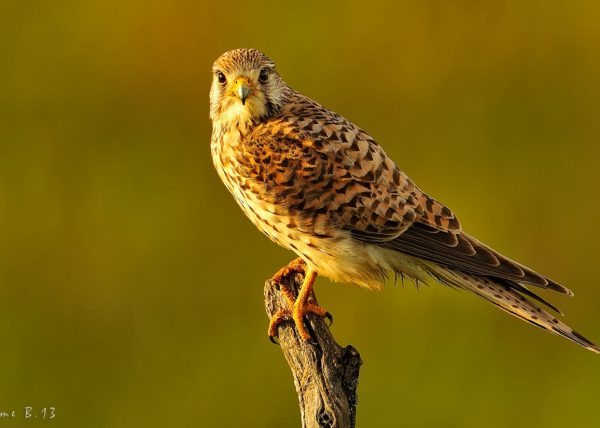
point(394, 213)
point(397, 215)
point(319, 164)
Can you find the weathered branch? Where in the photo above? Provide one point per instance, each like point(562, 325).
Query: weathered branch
point(325, 374)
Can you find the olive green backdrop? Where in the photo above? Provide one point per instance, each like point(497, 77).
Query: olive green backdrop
point(131, 284)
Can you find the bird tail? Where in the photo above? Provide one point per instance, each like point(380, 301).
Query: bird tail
point(510, 297)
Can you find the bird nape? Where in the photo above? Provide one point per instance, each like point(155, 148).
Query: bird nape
point(318, 185)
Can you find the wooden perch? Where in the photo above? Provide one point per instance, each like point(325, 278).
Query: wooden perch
point(325, 374)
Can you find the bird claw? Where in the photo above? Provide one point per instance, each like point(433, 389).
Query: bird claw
point(329, 318)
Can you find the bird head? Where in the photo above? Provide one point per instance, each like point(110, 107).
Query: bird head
point(245, 88)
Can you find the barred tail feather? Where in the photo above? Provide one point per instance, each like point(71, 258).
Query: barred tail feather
point(504, 295)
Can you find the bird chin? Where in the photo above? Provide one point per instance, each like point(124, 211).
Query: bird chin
point(236, 112)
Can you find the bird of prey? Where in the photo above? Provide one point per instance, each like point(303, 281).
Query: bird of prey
point(320, 186)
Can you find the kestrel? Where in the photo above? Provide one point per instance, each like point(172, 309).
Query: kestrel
point(320, 186)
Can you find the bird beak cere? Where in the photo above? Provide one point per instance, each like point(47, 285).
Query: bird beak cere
point(242, 88)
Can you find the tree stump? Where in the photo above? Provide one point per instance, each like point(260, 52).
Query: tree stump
point(325, 374)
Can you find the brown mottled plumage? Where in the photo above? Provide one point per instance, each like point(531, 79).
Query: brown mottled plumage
point(320, 186)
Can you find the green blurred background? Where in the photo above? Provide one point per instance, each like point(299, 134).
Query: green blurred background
point(131, 284)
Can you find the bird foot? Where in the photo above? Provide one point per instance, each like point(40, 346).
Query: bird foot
point(299, 307)
point(297, 314)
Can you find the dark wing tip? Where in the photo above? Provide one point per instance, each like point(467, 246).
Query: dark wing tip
point(553, 285)
point(524, 290)
point(516, 270)
point(578, 338)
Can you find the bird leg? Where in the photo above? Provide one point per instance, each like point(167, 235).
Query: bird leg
point(299, 306)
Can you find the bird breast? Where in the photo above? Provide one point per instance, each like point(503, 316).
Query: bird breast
point(310, 238)
point(271, 219)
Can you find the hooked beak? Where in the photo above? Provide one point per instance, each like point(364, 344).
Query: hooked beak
point(242, 88)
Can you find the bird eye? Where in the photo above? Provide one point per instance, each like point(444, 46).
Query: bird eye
point(221, 77)
point(264, 75)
